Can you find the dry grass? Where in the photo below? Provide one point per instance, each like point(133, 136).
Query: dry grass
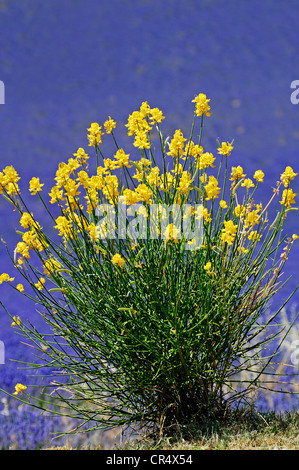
point(259, 432)
point(268, 431)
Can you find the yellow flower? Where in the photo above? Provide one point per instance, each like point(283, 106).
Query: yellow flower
point(193, 150)
point(12, 188)
point(178, 168)
point(225, 148)
point(63, 225)
point(55, 194)
point(136, 121)
point(237, 173)
point(26, 220)
point(118, 260)
point(9, 175)
point(16, 321)
point(239, 210)
point(294, 236)
point(153, 177)
point(144, 192)
point(172, 233)
point(5, 278)
point(51, 265)
point(251, 219)
point(83, 178)
point(93, 233)
point(176, 145)
point(223, 204)
point(109, 125)
point(130, 197)
point(71, 188)
point(81, 155)
point(141, 140)
point(254, 236)
point(20, 287)
point(202, 212)
point(228, 232)
point(156, 115)
point(202, 106)
point(145, 109)
point(259, 176)
point(62, 174)
point(185, 182)
point(211, 188)
point(19, 388)
point(122, 158)
point(205, 160)
point(110, 188)
point(95, 134)
point(287, 176)
point(23, 249)
point(247, 183)
point(40, 284)
point(242, 249)
point(30, 238)
point(73, 164)
point(35, 185)
point(207, 267)
point(288, 197)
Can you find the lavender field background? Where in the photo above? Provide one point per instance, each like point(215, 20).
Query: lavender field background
point(67, 63)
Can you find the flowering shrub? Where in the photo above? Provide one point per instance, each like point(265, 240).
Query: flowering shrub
point(155, 288)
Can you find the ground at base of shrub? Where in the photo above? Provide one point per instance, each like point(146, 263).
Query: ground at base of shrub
point(259, 431)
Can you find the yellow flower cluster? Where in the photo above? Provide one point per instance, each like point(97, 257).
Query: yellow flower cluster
point(288, 195)
point(287, 176)
point(27, 220)
point(81, 156)
point(202, 105)
point(94, 134)
point(51, 265)
point(259, 176)
point(8, 181)
point(205, 160)
point(211, 188)
point(247, 183)
point(118, 260)
point(6, 278)
point(172, 233)
point(185, 182)
point(207, 267)
point(228, 232)
point(35, 186)
point(16, 321)
point(31, 240)
point(237, 173)
point(252, 218)
point(64, 226)
point(225, 149)
point(72, 179)
point(40, 284)
point(19, 388)
point(141, 122)
point(176, 145)
point(109, 125)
